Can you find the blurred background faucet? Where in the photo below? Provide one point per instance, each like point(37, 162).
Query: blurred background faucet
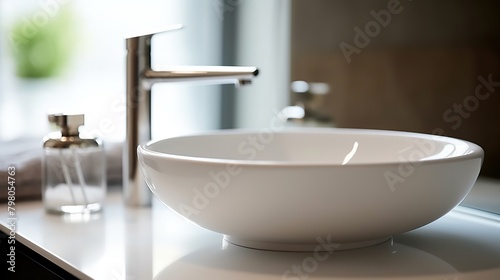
point(140, 79)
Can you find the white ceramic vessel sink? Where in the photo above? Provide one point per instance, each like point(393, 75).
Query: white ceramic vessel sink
point(310, 189)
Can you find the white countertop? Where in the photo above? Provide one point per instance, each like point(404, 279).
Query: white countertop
point(146, 243)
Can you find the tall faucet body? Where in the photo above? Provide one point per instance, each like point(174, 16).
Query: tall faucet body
point(140, 78)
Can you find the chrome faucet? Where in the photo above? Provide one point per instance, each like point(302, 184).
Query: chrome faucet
point(140, 78)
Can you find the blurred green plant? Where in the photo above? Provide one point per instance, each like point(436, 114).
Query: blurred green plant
point(43, 43)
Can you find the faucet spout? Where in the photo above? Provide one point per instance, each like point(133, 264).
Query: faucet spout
point(200, 74)
point(140, 78)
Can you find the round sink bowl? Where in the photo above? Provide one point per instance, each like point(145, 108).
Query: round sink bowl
point(310, 189)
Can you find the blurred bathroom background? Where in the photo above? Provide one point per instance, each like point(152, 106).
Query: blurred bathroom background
point(402, 65)
point(415, 65)
point(94, 79)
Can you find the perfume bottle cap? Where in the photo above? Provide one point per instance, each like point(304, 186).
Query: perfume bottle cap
point(68, 123)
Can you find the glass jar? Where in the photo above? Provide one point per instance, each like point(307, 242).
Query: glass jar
point(74, 168)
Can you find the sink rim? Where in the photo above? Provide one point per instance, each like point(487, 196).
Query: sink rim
point(474, 150)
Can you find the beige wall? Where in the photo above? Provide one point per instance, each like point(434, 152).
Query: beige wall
point(418, 73)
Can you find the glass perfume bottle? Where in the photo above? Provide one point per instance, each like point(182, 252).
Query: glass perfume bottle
point(74, 168)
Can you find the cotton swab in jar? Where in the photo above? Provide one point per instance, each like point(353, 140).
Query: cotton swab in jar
point(67, 176)
point(79, 174)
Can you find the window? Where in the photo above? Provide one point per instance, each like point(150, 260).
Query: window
point(94, 81)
